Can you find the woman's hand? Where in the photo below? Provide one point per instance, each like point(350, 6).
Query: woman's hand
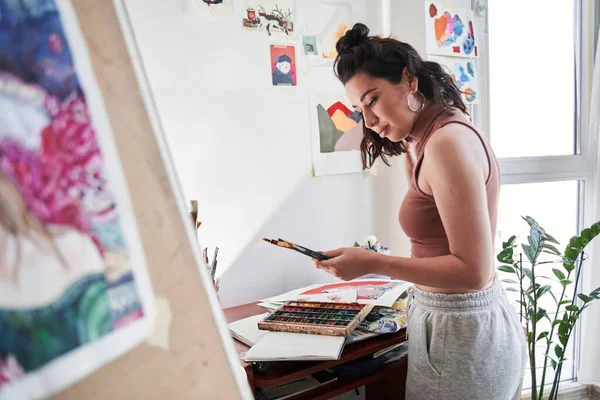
point(350, 262)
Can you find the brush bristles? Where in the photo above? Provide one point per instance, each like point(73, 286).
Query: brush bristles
point(194, 206)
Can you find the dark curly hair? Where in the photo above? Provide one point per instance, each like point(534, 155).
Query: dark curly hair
point(386, 58)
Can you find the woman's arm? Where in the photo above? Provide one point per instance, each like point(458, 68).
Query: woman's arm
point(455, 174)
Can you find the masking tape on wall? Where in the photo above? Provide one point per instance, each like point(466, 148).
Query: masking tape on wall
point(160, 325)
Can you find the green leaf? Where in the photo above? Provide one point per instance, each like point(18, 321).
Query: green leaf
point(559, 274)
point(563, 328)
point(569, 266)
point(538, 317)
point(564, 302)
point(511, 281)
point(553, 296)
point(551, 249)
point(510, 242)
point(563, 340)
point(550, 239)
point(528, 273)
point(565, 282)
point(556, 322)
point(543, 290)
point(553, 363)
point(584, 297)
point(529, 252)
point(505, 256)
point(587, 234)
point(506, 268)
point(512, 289)
point(542, 335)
point(572, 307)
point(571, 254)
point(595, 292)
point(559, 351)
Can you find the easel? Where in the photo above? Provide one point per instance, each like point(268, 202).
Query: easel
point(200, 362)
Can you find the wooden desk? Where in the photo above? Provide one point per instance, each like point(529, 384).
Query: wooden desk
point(387, 382)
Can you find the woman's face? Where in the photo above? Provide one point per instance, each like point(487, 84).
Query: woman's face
point(383, 104)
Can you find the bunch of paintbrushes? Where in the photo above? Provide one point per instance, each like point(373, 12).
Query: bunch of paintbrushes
point(292, 246)
point(212, 266)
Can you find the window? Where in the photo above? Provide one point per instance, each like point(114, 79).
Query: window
point(538, 91)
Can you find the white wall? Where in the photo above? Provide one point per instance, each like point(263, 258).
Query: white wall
point(242, 147)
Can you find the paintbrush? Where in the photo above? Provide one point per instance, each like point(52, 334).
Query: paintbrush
point(194, 212)
point(300, 249)
point(311, 253)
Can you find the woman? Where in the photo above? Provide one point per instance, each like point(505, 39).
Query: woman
point(465, 338)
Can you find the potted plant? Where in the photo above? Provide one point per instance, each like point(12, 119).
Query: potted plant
point(546, 268)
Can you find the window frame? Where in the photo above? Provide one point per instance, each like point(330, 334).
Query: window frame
point(581, 166)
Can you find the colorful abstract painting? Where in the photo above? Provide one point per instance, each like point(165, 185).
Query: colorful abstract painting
point(271, 17)
point(464, 72)
point(335, 19)
point(450, 32)
point(283, 65)
point(368, 291)
point(75, 290)
point(337, 132)
point(340, 128)
point(216, 8)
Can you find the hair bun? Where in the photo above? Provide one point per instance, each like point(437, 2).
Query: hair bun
point(356, 36)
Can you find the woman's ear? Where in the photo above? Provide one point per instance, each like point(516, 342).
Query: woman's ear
point(411, 80)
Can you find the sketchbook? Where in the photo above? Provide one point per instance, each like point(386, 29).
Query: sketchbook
point(284, 346)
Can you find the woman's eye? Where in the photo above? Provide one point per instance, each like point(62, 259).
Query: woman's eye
point(372, 102)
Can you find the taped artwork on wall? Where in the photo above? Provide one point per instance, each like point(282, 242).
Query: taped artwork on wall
point(283, 65)
point(335, 20)
point(309, 44)
point(464, 72)
point(270, 17)
point(214, 8)
point(75, 287)
point(450, 32)
point(337, 134)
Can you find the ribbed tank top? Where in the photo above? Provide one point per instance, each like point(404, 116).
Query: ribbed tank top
point(419, 216)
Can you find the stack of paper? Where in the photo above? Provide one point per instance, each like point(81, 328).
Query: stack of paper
point(378, 292)
point(284, 346)
point(246, 330)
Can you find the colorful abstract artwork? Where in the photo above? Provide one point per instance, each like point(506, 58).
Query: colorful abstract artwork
point(283, 65)
point(309, 44)
point(465, 75)
point(450, 32)
point(337, 133)
point(335, 20)
point(74, 289)
point(384, 320)
point(340, 128)
point(271, 17)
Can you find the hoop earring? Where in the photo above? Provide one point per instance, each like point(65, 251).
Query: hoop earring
point(422, 103)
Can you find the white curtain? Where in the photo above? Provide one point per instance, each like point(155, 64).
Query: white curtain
point(589, 371)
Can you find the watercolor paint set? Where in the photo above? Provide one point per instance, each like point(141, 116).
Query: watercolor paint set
point(317, 318)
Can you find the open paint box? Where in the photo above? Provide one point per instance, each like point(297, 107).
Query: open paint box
point(317, 318)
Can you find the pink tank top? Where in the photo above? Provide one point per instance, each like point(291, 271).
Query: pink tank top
point(419, 217)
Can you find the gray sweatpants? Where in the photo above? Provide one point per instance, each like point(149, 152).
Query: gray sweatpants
point(464, 346)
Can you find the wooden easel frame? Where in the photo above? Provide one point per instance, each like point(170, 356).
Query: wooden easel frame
point(201, 362)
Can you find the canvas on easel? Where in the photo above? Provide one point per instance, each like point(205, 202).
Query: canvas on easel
point(79, 155)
